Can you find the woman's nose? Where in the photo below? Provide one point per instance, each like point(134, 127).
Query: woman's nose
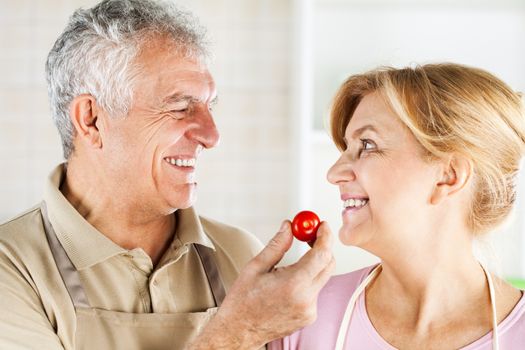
point(341, 171)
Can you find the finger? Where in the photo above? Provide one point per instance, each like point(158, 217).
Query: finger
point(324, 236)
point(321, 231)
point(319, 257)
point(275, 249)
point(323, 276)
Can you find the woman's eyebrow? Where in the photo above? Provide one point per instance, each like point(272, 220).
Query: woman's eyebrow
point(361, 130)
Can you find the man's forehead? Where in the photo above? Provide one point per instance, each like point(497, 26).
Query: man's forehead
point(175, 67)
point(178, 78)
point(165, 55)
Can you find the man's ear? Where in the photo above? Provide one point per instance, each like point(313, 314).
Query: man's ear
point(454, 176)
point(84, 114)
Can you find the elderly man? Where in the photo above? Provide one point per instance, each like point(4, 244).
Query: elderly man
point(115, 257)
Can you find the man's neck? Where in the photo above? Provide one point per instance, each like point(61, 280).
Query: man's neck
point(121, 219)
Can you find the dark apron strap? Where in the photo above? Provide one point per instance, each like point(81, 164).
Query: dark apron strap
point(66, 268)
point(71, 277)
point(212, 273)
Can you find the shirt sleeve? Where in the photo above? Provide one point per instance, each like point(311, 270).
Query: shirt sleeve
point(23, 321)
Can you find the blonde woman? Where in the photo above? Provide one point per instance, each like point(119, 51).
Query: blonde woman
point(429, 157)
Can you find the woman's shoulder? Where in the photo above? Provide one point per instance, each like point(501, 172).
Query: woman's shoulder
point(349, 281)
point(514, 321)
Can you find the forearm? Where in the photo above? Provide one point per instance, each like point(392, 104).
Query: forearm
point(220, 334)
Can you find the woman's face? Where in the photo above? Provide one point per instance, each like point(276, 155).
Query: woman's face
point(384, 180)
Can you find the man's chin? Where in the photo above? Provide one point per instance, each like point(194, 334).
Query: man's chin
point(182, 200)
point(186, 205)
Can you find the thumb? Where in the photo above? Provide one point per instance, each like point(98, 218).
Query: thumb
point(275, 249)
point(324, 236)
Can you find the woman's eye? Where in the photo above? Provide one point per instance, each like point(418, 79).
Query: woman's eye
point(366, 145)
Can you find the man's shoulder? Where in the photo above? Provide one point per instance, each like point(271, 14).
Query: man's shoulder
point(22, 227)
point(23, 247)
point(232, 240)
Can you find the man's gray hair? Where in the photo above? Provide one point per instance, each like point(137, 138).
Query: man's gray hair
point(95, 54)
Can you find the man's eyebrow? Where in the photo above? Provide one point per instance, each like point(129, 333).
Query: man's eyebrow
point(361, 130)
point(178, 97)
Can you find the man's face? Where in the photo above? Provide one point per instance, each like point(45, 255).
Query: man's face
point(151, 154)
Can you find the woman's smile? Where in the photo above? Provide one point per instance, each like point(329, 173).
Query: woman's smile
point(355, 214)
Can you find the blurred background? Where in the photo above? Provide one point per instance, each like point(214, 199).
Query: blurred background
point(277, 65)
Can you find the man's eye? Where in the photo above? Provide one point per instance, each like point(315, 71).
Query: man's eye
point(177, 113)
point(181, 107)
point(182, 110)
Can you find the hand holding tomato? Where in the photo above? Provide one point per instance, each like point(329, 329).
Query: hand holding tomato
point(305, 225)
point(248, 318)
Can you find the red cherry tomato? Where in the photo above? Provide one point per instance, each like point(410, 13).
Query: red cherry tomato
point(305, 225)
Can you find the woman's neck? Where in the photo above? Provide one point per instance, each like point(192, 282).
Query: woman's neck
point(430, 278)
point(430, 290)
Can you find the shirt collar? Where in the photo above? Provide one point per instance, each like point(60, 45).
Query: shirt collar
point(84, 244)
point(189, 228)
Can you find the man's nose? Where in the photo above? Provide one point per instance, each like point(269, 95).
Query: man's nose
point(204, 131)
point(341, 171)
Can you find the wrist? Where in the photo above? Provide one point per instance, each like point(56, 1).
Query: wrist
point(220, 334)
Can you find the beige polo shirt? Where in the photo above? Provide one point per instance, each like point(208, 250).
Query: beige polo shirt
point(36, 310)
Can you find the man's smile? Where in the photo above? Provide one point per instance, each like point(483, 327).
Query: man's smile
point(181, 162)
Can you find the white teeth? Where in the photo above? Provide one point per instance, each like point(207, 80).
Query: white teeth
point(181, 162)
point(355, 203)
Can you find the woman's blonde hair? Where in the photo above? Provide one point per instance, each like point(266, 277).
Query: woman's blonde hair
point(451, 108)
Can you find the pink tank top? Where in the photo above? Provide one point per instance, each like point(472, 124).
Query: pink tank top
point(322, 334)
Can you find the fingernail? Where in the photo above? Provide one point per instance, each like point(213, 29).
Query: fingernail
point(283, 226)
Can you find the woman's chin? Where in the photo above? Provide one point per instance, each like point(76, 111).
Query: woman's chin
point(349, 237)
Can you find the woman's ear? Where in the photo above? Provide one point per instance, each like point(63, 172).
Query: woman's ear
point(455, 174)
point(84, 114)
